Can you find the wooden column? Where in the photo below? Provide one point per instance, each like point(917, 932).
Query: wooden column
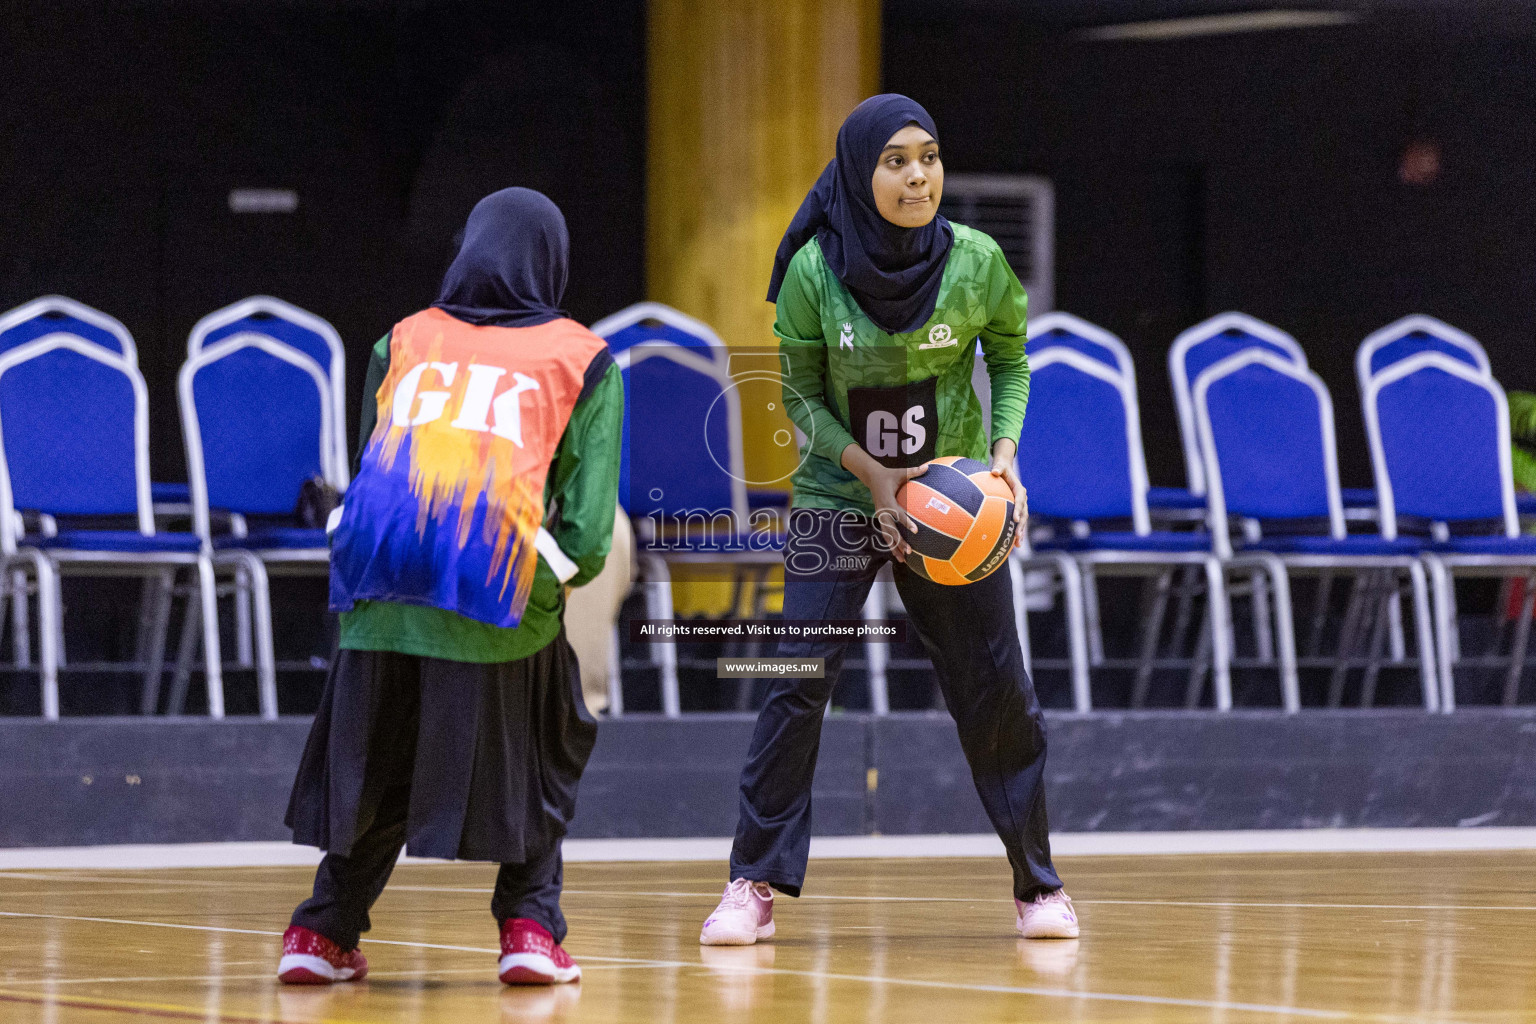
point(746, 97)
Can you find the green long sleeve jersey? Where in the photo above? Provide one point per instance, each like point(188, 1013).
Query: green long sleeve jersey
point(905, 398)
point(580, 497)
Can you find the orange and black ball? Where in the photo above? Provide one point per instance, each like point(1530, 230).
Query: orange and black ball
point(964, 518)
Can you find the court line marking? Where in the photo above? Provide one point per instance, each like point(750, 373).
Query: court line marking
point(125, 877)
point(871, 979)
point(964, 899)
point(167, 1011)
point(210, 886)
point(74, 875)
point(222, 977)
point(1065, 844)
point(98, 893)
point(269, 975)
point(1309, 906)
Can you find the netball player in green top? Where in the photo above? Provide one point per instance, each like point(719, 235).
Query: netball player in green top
point(879, 299)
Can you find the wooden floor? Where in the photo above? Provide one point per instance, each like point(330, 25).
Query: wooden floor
point(1273, 937)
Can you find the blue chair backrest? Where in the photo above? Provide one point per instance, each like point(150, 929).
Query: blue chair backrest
point(262, 314)
point(256, 418)
point(1080, 451)
point(55, 314)
point(1439, 433)
point(1410, 336)
point(1067, 331)
point(652, 322)
point(1267, 440)
point(1219, 346)
point(75, 421)
point(682, 435)
point(301, 331)
point(1201, 347)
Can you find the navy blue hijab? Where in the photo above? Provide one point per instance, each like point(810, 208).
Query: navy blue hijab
point(892, 272)
point(511, 267)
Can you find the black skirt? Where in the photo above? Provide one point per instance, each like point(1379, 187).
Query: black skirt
point(491, 753)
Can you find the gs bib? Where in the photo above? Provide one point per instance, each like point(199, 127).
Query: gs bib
point(898, 426)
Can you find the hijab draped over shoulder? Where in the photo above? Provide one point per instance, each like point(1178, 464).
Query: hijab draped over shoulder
point(892, 272)
point(511, 268)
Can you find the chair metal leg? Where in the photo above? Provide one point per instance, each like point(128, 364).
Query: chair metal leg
point(1501, 623)
point(1376, 648)
point(1187, 586)
point(1077, 630)
point(1151, 633)
point(243, 653)
point(1200, 662)
point(1347, 641)
point(1091, 613)
point(876, 653)
point(1455, 613)
point(1262, 635)
point(48, 629)
point(146, 614)
point(615, 678)
point(186, 650)
point(1435, 646)
point(258, 592)
point(212, 665)
point(1290, 685)
point(266, 656)
point(160, 588)
point(658, 600)
point(1374, 621)
point(1285, 631)
point(1521, 642)
point(48, 607)
point(1020, 614)
point(1221, 618)
point(22, 628)
point(58, 618)
point(1319, 614)
point(1397, 648)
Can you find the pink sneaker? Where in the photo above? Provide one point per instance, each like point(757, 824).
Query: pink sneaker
point(531, 956)
point(745, 914)
point(310, 958)
point(1047, 916)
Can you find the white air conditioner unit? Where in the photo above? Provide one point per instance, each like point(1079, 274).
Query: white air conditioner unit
point(1019, 211)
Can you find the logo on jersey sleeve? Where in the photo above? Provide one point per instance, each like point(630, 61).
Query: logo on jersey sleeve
point(898, 425)
point(845, 340)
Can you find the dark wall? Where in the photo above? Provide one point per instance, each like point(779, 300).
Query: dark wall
point(1256, 172)
point(100, 781)
point(123, 127)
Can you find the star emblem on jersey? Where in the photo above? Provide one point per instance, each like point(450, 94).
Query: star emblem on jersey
point(939, 336)
point(845, 340)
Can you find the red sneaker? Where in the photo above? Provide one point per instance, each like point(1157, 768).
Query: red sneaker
point(531, 956)
point(310, 958)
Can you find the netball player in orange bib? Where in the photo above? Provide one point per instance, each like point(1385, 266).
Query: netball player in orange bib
point(452, 724)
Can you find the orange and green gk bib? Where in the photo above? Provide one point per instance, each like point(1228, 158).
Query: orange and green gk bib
point(447, 504)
